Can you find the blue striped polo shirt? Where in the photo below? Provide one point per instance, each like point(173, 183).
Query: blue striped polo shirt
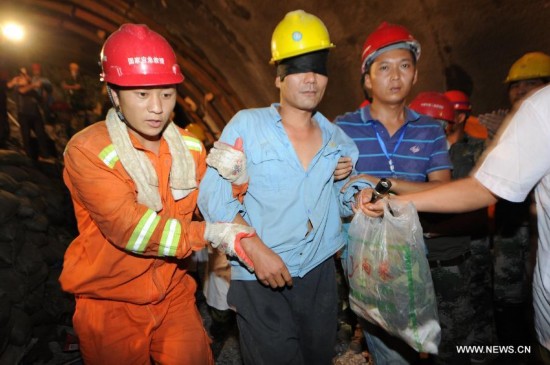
point(421, 147)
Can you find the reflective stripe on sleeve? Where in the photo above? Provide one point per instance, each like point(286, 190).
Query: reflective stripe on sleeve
point(192, 143)
point(109, 156)
point(170, 238)
point(143, 231)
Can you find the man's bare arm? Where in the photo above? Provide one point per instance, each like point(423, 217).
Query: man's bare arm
point(434, 179)
point(268, 266)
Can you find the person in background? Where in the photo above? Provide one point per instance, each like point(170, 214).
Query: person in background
point(29, 115)
point(45, 91)
point(394, 142)
point(133, 180)
point(465, 150)
point(287, 309)
point(4, 122)
point(530, 72)
point(518, 163)
point(214, 270)
point(448, 237)
point(76, 94)
point(515, 229)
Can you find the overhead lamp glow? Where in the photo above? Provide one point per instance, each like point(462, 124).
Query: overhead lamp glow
point(13, 32)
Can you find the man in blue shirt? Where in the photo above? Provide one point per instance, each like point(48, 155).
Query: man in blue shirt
point(394, 142)
point(287, 308)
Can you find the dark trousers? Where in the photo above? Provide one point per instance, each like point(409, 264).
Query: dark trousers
point(294, 325)
point(28, 122)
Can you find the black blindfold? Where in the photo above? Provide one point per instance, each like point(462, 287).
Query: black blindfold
point(310, 62)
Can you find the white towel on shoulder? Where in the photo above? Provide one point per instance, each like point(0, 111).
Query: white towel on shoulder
point(182, 172)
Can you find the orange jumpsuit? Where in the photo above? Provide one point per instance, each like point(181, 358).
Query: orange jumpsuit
point(134, 298)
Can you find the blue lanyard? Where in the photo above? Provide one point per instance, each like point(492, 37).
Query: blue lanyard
point(384, 149)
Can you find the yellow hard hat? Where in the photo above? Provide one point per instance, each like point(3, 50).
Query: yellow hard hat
point(197, 131)
point(532, 65)
point(298, 33)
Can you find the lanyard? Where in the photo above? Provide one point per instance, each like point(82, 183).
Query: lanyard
point(383, 147)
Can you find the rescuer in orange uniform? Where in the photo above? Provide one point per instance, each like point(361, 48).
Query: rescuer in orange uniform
point(133, 180)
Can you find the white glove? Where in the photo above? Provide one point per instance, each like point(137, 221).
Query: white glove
point(230, 161)
point(226, 237)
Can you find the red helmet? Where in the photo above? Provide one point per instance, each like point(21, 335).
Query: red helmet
point(134, 55)
point(386, 37)
point(36, 68)
point(433, 104)
point(459, 100)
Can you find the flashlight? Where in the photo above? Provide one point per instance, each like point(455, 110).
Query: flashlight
point(381, 190)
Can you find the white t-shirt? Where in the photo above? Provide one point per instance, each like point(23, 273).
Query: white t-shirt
point(520, 161)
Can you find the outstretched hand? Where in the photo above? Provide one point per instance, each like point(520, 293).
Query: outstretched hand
point(492, 121)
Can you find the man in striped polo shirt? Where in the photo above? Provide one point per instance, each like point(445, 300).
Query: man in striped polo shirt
point(394, 142)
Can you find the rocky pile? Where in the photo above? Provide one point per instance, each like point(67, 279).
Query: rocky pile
point(36, 226)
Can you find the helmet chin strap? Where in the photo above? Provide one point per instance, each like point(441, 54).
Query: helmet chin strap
point(117, 107)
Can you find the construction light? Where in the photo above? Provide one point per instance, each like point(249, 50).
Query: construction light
point(13, 32)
